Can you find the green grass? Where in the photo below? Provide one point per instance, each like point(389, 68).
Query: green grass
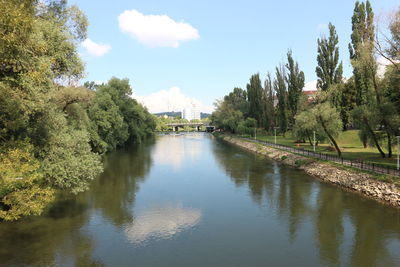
point(349, 143)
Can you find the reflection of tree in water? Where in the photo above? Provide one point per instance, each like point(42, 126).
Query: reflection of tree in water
point(267, 181)
point(58, 238)
point(54, 239)
point(328, 223)
point(245, 169)
point(113, 193)
point(297, 199)
point(374, 226)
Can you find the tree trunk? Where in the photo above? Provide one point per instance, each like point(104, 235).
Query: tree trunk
point(383, 120)
point(365, 141)
point(383, 155)
point(389, 144)
point(330, 137)
point(309, 140)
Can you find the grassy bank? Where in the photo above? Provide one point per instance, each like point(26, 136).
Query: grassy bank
point(349, 143)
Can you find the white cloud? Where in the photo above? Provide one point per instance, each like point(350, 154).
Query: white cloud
point(179, 147)
point(310, 86)
point(170, 100)
point(161, 222)
point(155, 30)
point(95, 49)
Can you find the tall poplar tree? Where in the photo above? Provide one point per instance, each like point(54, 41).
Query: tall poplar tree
point(254, 95)
point(329, 70)
point(373, 109)
point(268, 101)
point(361, 50)
point(281, 93)
point(295, 85)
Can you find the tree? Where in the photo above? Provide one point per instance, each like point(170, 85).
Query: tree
point(22, 191)
point(368, 121)
point(67, 160)
point(370, 88)
point(305, 127)
point(268, 102)
point(238, 100)
point(347, 101)
point(361, 48)
point(254, 95)
point(295, 84)
point(108, 123)
point(388, 46)
point(226, 117)
point(281, 93)
point(329, 120)
point(247, 126)
point(42, 109)
point(329, 71)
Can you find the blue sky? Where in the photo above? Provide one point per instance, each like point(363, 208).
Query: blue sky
point(223, 43)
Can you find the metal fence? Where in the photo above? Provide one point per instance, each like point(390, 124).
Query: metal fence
point(359, 164)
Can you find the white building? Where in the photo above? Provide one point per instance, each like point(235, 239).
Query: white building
point(191, 112)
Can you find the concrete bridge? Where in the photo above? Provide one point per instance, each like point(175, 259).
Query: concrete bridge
point(175, 126)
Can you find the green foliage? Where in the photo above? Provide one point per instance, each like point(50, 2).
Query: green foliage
point(64, 127)
point(268, 102)
point(329, 120)
point(237, 99)
point(247, 126)
point(305, 127)
point(226, 117)
point(281, 93)
point(68, 162)
point(22, 191)
point(301, 162)
point(361, 49)
point(108, 123)
point(254, 95)
point(329, 71)
point(117, 118)
point(295, 83)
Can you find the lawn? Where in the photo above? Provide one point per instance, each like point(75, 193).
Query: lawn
point(349, 143)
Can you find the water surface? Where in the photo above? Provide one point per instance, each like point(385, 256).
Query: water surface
point(191, 200)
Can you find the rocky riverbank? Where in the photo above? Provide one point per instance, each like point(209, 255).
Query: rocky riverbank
point(359, 182)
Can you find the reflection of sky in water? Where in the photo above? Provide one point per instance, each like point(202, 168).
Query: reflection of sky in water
point(161, 222)
point(174, 149)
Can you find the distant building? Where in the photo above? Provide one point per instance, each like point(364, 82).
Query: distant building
point(191, 112)
point(311, 95)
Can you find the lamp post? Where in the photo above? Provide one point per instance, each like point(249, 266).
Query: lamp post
point(314, 141)
point(398, 153)
point(255, 133)
point(275, 133)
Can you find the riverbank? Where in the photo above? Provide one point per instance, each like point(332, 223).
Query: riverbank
point(359, 182)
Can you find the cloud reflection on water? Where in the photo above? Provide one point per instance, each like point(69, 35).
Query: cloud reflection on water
point(161, 222)
point(173, 150)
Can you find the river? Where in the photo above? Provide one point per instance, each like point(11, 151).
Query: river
point(192, 200)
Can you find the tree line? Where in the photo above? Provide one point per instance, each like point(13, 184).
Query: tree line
point(52, 132)
point(368, 100)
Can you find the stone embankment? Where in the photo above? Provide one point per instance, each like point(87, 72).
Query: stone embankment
point(359, 182)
